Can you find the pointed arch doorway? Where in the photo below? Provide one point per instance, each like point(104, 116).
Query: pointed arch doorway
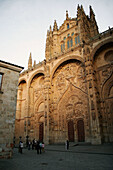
point(71, 131)
point(41, 128)
point(80, 130)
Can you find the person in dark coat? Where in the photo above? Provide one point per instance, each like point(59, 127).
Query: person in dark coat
point(20, 146)
point(67, 144)
point(40, 147)
point(37, 147)
point(29, 145)
point(33, 144)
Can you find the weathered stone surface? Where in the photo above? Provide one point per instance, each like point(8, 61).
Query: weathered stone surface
point(8, 97)
point(60, 96)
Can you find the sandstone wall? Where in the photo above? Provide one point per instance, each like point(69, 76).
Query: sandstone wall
point(8, 97)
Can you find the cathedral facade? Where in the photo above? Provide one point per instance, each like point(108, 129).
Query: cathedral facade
point(69, 95)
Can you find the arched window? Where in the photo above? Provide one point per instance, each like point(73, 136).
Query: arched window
point(68, 44)
point(67, 26)
point(62, 47)
point(72, 34)
point(71, 42)
point(77, 40)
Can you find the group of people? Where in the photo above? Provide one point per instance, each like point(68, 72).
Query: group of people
point(37, 145)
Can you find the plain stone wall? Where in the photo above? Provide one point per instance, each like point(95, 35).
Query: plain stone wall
point(8, 97)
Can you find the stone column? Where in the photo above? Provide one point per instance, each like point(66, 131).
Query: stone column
point(18, 108)
point(27, 108)
point(47, 99)
point(94, 108)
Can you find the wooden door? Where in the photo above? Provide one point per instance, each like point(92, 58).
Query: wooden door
point(80, 129)
point(41, 127)
point(71, 131)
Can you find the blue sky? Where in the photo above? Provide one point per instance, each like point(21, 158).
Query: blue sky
point(24, 24)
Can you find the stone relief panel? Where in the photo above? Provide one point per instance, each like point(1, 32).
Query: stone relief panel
point(72, 73)
point(72, 106)
point(104, 74)
point(35, 92)
point(38, 87)
point(39, 108)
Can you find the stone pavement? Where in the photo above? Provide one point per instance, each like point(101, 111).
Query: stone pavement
point(78, 157)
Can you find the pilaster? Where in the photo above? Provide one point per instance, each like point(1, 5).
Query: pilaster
point(47, 101)
point(94, 108)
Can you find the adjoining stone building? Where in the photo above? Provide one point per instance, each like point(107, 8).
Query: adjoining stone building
point(70, 93)
point(9, 75)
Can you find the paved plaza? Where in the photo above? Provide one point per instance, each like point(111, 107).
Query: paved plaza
point(78, 157)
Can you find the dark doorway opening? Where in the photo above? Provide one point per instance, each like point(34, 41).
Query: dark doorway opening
point(71, 131)
point(80, 129)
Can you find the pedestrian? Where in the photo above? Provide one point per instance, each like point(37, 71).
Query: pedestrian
point(29, 145)
point(20, 146)
point(33, 143)
point(43, 145)
point(40, 147)
point(37, 147)
point(67, 144)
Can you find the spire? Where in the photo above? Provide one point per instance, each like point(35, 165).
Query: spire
point(50, 31)
point(93, 22)
point(34, 63)
point(67, 15)
point(50, 28)
point(92, 15)
point(47, 33)
point(78, 10)
point(82, 8)
point(30, 61)
point(55, 27)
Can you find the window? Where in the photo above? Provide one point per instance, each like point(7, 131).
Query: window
point(78, 39)
point(62, 47)
point(75, 40)
point(71, 42)
point(67, 26)
point(64, 38)
point(68, 35)
point(72, 34)
point(68, 44)
point(1, 78)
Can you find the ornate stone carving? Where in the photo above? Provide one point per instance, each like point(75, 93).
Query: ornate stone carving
point(71, 73)
point(104, 75)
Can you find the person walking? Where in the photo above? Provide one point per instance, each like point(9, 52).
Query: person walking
point(67, 144)
point(20, 146)
point(40, 147)
point(43, 145)
point(29, 145)
point(33, 144)
point(37, 147)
